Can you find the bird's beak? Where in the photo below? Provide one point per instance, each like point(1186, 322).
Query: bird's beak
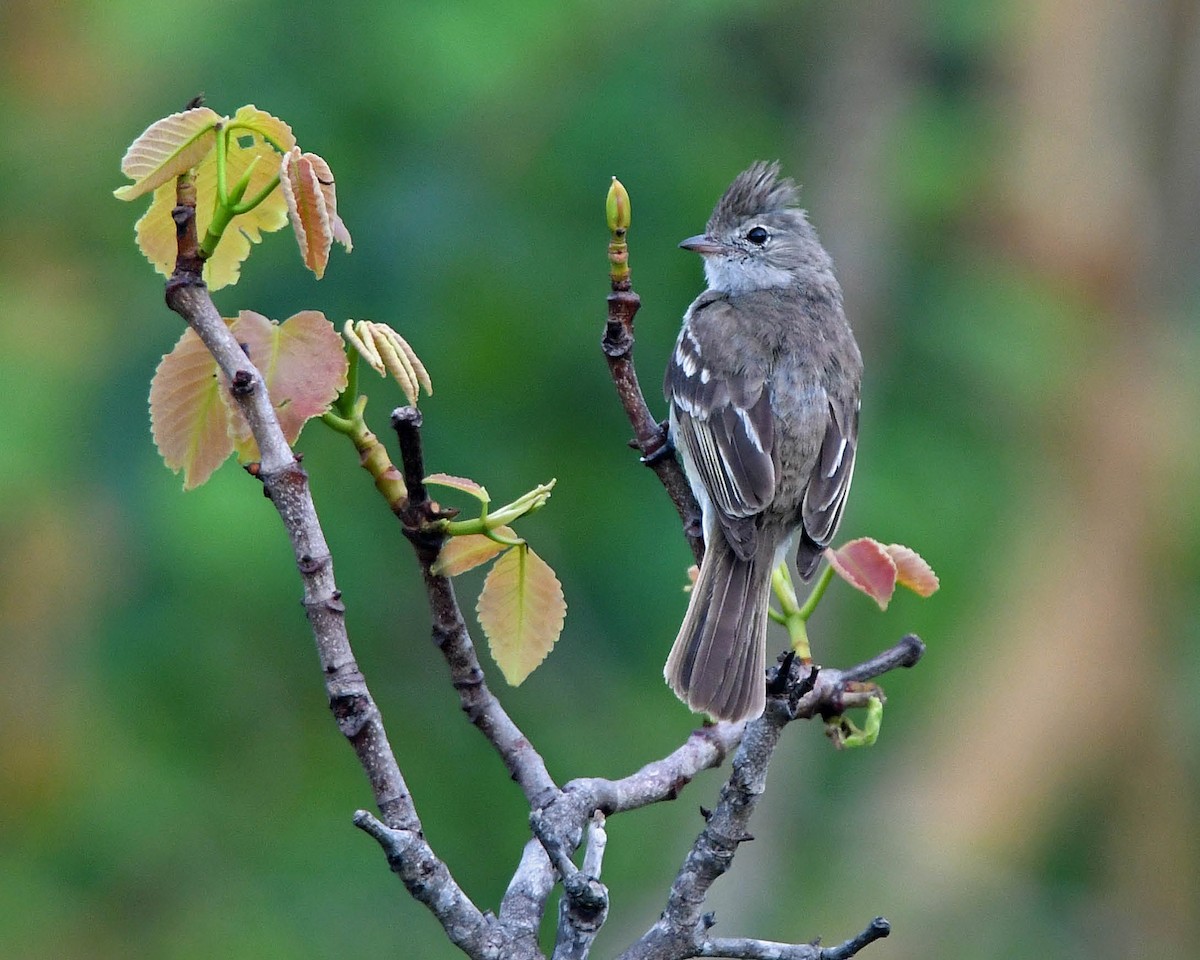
point(702, 245)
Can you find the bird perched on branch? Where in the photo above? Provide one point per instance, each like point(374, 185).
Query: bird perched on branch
point(763, 387)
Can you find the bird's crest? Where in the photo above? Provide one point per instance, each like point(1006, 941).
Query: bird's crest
point(755, 191)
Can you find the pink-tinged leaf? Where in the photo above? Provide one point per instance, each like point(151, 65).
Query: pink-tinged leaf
point(167, 148)
point(866, 565)
point(459, 483)
point(329, 189)
point(460, 554)
point(912, 571)
point(308, 210)
point(188, 414)
point(304, 364)
point(521, 610)
point(266, 126)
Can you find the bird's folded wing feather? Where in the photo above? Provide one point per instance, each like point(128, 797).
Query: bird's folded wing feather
point(825, 496)
point(725, 427)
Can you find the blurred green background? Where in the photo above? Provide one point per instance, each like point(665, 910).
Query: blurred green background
point(1011, 192)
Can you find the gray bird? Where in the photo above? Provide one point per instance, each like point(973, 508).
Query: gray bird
point(763, 387)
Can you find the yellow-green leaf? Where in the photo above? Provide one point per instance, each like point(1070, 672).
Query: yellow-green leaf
point(304, 364)
point(155, 231)
point(266, 126)
point(188, 413)
point(460, 554)
point(224, 267)
point(167, 148)
point(521, 610)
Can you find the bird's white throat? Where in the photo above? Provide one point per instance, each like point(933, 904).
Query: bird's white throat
point(743, 274)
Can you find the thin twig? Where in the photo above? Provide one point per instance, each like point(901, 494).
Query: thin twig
point(650, 436)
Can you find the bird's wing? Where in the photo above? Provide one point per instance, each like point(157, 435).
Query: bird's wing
point(825, 496)
point(725, 429)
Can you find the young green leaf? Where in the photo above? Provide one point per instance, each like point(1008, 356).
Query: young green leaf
point(266, 126)
point(460, 554)
point(866, 565)
point(521, 610)
point(156, 230)
point(304, 364)
point(388, 352)
point(912, 571)
point(167, 148)
point(188, 415)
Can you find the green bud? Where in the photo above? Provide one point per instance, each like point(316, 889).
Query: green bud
point(617, 207)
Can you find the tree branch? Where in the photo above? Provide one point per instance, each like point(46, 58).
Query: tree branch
point(744, 948)
point(286, 485)
point(804, 692)
point(650, 436)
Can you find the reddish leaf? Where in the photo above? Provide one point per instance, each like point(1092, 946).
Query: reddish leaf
point(867, 565)
point(521, 609)
point(912, 571)
point(304, 364)
point(460, 554)
point(188, 414)
point(311, 198)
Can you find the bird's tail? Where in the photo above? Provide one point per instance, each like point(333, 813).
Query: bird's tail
point(718, 662)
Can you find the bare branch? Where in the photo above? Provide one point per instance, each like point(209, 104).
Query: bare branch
point(650, 436)
point(806, 691)
point(429, 881)
point(744, 948)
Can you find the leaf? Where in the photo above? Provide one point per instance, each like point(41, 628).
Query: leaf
point(155, 231)
point(460, 554)
point(459, 483)
point(167, 148)
point(188, 414)
point(224, 266)
point(912, 571)
point(311, 196)
point(304, 364)
point(521, 610)
point(329, 191)
point(866, 565)
point(266, 126)
point(388, 352)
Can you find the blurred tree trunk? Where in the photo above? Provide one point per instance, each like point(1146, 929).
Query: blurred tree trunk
point(1066, 708)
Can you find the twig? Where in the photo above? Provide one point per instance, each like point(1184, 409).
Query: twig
point(584, 905)
point(744, 948)
point(650, 436)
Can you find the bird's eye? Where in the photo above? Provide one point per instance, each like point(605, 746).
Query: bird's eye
point(757, 235)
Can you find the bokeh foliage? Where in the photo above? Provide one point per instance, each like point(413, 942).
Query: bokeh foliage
point(1010, 192)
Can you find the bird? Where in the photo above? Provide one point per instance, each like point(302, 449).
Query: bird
point(763, 388)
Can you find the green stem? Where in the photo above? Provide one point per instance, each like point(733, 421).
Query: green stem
point(349, 397)
point(818, 591)
point(258, 197)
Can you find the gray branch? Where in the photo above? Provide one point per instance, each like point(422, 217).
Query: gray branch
point(682, 929)
point(286, 485)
